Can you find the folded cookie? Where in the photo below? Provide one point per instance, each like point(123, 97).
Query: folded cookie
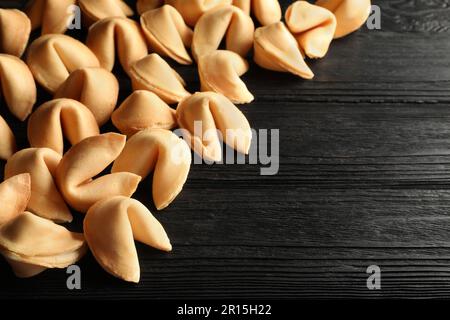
point(276, 49)
point(41, 164)
point(53, 16)
point(15, 28)
point(7, 140)
point(18, 87)
point(350, 14)
point(117, 34)
point(265, 11)
point(63, 118)
point(143, 110)
point(15, 193)
point(167, 33)
point(112, 225)
point(312, 26)
point(84, 161)
point(220, 71)
point(161, 152)
point(192, 10)
point(145, 5)
point(95, 10)
point(96, 88)
point(32, 244)
point(154, 74)
point(53, 57)
point(227, 22)
point(209, 117)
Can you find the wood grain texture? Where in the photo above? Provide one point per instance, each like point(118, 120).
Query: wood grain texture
point(364, 179)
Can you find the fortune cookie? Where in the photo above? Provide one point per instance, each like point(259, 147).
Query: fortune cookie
point(266, 11)
point(15, 193)
point(95, 10)
point(192, 10)
point(220, 71)
point(208, 114)
point(162, 152)
point(53, 57)
point(143, 110)
point(96, 88)
point(276, 49)
point(60, 118)
point(32, 244)
point(17, 86)
point(145, 5)
point(228, 22)
point(53, 16)
point(350, 14)
point(167, 34)
point(123, 34)
point(154, 74)
point(112, 225)
point(15, 28)
point(41, 164)
point(312, 26)
point(7, 140)
point(85, 160)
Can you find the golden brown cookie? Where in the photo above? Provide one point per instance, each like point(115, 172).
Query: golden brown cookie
point(53, 57)
point(265, 11)
point(208, 118)
point(7, 140)
point(15, 28)
point(96, 88)
point(192, 10)
point(143, 110)
point(53, 16)
point(276, 49)
point(161, 152)
point(95, 10)
point(31, 244)
point(18, 86)
point(41, 164)
point(350, 14)
point(117, 34)
point(226, 22)
point(167, 34)
point(84, 161)
point(63, 118)
point(15, 192)
point(154, 74)
point(112, 225)
point(220, 71)
point(312, 26)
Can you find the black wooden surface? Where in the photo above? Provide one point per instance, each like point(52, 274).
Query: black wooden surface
point(364, 179)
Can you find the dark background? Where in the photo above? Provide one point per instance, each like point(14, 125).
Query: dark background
point(364, 179)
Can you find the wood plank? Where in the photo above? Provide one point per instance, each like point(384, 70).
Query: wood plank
point(195, 273)
point(364, 179)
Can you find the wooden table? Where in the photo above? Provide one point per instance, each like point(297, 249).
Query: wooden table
point(364, 180)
